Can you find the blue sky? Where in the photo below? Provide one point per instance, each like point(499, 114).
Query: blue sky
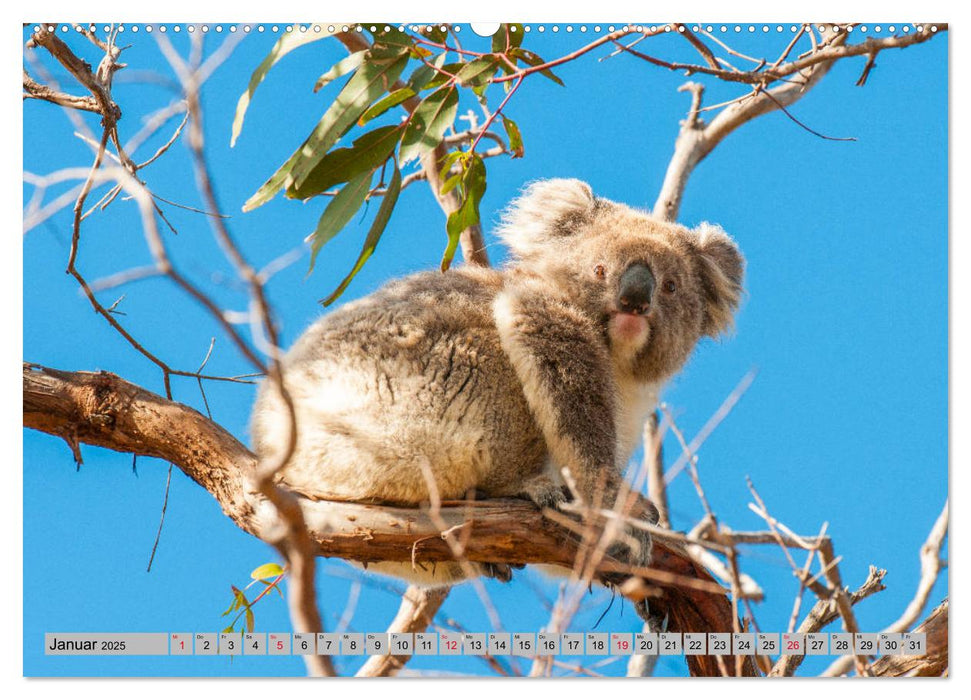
point(845, 319)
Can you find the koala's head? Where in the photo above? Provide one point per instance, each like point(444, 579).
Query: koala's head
point(653, 288)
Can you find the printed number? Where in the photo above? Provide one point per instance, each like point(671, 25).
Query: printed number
point(231, 644)
point(623, 645)
point(694, 645)
point(377, 644)
point(598, 644)
point(842, 645)
point(549, 645)
point(205, 644)
point(525, 645)
point(304, 645)
point(181, 645)
point(279, 644)
point(719, 645)
point(816, 643)
point(352, 644)
point(573, 644)
point(451, 645)
point(769, 645)
point(890, 645)
point(865, 644)
point(669, 644)
point(112, 646)
point(256, 644)
point(426, 644)
point(329, 642)
point(792, 645)
point(475, 644)
point(745, 645)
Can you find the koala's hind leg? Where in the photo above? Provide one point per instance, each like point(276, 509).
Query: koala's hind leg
point(566, 376)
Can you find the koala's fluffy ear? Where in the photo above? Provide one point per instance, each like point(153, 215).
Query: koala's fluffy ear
point(547, 212)
point(721, 268)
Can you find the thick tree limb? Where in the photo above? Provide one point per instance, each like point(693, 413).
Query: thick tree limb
point(933, 663)
point(105, 410)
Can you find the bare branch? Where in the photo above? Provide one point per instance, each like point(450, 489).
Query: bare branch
point(33, 89)
point(823, 613)
point(696, 139)
point(930, 569)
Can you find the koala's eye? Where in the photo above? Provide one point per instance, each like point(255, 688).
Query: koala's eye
point(670, 287)
point(600, 271)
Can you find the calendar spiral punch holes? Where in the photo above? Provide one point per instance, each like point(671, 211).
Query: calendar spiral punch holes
point(574, 29)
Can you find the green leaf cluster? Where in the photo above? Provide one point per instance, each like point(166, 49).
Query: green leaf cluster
point(378, 80)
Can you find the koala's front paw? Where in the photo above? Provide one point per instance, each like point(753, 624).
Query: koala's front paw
point(542, 491)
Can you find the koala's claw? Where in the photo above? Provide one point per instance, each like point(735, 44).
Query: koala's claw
point(637, 553)
point(544, 493)
point(500, 572)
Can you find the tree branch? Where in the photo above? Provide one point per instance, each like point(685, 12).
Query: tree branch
point(103, 409)
point(933, 663)
point(697, 139)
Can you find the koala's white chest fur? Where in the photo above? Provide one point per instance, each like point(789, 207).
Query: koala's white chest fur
point(635, 401)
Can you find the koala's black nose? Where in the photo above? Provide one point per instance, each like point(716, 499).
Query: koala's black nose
point(636, 289)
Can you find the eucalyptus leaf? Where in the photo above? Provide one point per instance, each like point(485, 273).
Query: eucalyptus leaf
point(341, 68)
point(515, 137)
point(477, 72)
point(374, 234)
point(250, 620)
point(340, 210)
point(277, 181)
point(474, 187)
point(391, 36)
point(383, 105)
point(507, 37)
point(447, 162)
point(450, 183)
point(266, 571)
point(372, 79)
point(425, 72)
point(437, 33)
point(532, 59)
point(446, 73)
point(343, 164)
point(428, 124)
point(287, 43)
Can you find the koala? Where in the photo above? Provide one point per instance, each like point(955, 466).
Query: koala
point(498, 380)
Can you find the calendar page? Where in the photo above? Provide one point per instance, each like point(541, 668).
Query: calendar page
point(608, 348)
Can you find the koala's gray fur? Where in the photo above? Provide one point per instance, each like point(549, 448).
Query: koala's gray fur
point(494, 380)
